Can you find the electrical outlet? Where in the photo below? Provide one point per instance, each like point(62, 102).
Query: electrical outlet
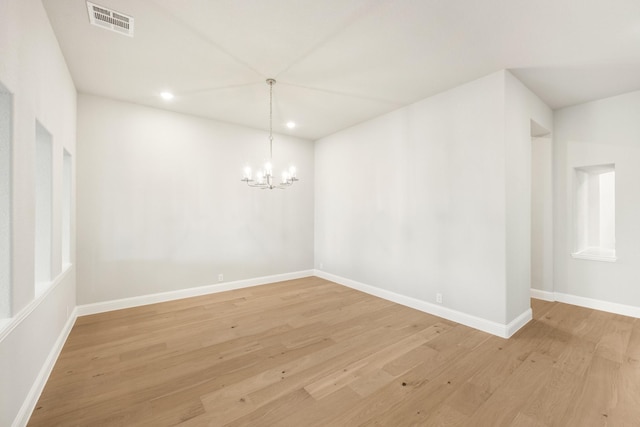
point(220, 277)
point(439, 298)
point(321, 266)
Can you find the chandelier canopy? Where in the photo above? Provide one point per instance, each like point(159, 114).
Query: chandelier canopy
point(264, 178)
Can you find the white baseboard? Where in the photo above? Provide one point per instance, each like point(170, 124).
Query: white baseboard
point(31, 400)
point(543, 295)
point(517, 323)
point(494, 328)
point(609, 307)
point(101, 307)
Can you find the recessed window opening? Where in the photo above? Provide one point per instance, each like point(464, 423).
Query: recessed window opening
point(6, 114)
point(44, 189)
point(595, 213)
point(66, 209)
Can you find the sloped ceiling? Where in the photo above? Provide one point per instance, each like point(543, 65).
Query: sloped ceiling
point(340, 62)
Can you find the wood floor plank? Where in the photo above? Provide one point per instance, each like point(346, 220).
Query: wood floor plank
point(627, 407)
point(411, 387)
point(615, 340)
point(427, 389)
point(325, 364)
point(503, 406)
point(479, 387)
point(592, 403)
point(549, 404)
point(522, 420)
point(446, 416)
point(306, 415)
point(365, 368)
point(308, 352)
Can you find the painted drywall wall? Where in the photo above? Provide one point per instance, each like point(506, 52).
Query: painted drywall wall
point(6, 120)
point(32, 68)
point(413, 202)
point(541, 214)
point(598, 133)
point(436, 198)
point(521, 106)
point(161, 206)
point(43, 207)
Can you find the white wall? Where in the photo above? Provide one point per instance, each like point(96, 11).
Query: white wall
point(436, 198)
point(607, 211)
point(599, 133)
point(6, 114)
point(32, 68)
point(541, 214)
point(521, 106)
point(43, 208)
point(413, 202)
point(67, 207)
point(161, 206)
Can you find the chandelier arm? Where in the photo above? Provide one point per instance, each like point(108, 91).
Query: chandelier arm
point(261, 186)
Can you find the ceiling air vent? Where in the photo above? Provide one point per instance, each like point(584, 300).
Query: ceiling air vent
point(110, 20)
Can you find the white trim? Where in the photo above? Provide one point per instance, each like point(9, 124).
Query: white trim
point(489, 326)
point(8, 325)
point(38, 385)
point(592, 257)
point(543, 295)
point(101, 307)
point(517, 323)
point(609, 307)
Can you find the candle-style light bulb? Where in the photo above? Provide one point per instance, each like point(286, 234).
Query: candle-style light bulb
point(247, 173)
point(292, 171)
point(268, 169)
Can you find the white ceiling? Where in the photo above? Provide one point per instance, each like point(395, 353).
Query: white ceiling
point(340, 62)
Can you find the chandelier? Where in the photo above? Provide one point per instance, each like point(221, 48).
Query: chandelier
point(264, 178)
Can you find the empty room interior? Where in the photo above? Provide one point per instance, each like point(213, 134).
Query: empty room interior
point(319, 213)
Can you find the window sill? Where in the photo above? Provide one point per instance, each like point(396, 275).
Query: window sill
point(596, 254)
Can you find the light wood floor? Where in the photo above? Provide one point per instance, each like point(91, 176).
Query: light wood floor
point(312, 353)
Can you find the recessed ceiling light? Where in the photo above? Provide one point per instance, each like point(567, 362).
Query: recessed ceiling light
point(291, 125)
point(167, 96)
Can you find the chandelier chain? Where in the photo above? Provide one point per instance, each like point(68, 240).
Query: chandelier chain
point(271, 82)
